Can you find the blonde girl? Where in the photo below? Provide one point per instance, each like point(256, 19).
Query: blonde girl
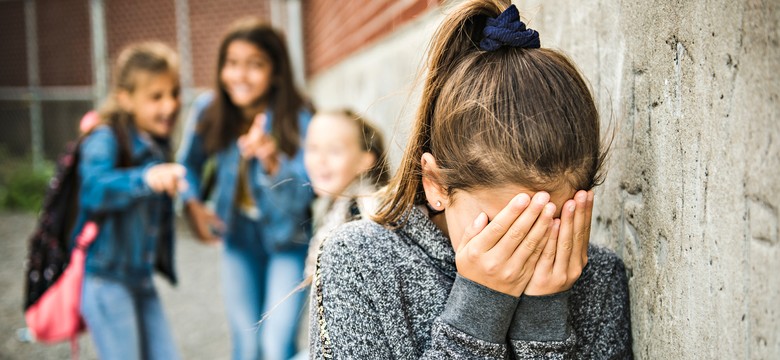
point(346, 161)
point(127, 182)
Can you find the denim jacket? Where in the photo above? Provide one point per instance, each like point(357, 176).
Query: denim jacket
point(283, 200)
point(136, 226)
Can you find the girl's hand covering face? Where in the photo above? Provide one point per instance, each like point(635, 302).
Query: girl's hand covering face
point(502, 255)
point(566, 253)
point(523, 250)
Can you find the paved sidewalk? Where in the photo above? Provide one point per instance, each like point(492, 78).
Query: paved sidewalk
point(194, 307)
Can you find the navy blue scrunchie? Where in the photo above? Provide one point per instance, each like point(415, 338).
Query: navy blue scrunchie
point(507, 29)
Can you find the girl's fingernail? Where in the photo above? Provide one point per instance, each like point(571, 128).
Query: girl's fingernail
point(549, 209)
point(542, 197)
point(571, 207)
point(478, 220)
point(522, 199)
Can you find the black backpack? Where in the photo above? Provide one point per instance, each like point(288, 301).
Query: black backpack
point(49, 245)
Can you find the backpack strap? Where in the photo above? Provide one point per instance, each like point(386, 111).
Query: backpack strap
point(327, 347)
point(125, 157)
point(354, 211)
point(74, 347)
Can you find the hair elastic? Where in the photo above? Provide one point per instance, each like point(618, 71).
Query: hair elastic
point(507, 29)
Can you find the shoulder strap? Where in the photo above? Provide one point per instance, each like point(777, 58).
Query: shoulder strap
point(125, 158)
point(327, 348)
point(354, 211)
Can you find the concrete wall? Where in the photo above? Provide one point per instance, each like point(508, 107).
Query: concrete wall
point(691, 201)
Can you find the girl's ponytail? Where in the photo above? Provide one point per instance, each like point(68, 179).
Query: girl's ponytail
point(458, 36)
point(497, 112)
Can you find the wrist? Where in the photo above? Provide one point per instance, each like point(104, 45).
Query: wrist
point(478, 310)
point(190, 205)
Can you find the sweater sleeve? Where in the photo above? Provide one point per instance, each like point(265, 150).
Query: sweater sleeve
point(474, 323)
point(610, 315)
point(541, 328)
point(345, 323)
point(590, 321)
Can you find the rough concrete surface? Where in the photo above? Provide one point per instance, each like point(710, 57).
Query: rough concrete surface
point(690, 90)
point(193, 308)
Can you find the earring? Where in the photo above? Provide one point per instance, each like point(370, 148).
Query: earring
point(434, 209)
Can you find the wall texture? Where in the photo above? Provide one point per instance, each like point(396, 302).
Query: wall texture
point(13, 71)
point(63, 42)
point(209, 22)
point(335, 28)
point(690, 90)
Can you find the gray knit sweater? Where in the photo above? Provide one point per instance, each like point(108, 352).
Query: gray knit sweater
point(395, 294)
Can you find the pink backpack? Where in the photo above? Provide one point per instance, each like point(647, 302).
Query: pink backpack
point(55, 316)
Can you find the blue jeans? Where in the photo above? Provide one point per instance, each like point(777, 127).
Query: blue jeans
point(126, 322)
point(257, 284)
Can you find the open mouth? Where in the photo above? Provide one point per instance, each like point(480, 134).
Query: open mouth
point(241, 90)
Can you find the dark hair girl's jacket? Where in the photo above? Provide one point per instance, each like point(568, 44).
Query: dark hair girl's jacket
point(395, 294)
point(136, 226)
point(283, 200)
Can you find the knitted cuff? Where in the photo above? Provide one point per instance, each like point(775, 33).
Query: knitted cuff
point(541, 318)
point(479, 311)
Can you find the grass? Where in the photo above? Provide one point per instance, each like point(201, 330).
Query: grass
point(22, 187)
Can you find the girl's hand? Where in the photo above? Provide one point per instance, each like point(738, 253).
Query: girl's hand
point(258, 144)
point(204, 223)
point(566, 252)
point(168, 178)
point(502, 255)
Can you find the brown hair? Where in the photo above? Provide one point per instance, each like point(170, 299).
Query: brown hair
point(222, 122)
point(492, 118)
point(371, 141)
point(150, 57)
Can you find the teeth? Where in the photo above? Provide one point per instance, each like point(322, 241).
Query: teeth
point(241, 88)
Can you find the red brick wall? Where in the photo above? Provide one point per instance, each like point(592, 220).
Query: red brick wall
point(13, 61)
point(64, 42)
point(139, 20)
point(333, 29)
point(209, 21)
point(64, 36)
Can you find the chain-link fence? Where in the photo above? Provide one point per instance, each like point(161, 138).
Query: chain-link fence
point(56, 57)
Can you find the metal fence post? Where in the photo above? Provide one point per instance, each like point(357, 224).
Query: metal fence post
point(34, 82)
point(99, 51)
point(184, 47)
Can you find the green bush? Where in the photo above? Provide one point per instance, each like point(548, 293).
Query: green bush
point(25, 187)
point(22, 187)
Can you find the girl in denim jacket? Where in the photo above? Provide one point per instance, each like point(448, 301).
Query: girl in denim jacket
point(253, 126)
point(127, 183)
